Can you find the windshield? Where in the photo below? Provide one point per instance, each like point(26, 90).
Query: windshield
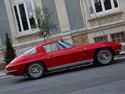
point(67, 44)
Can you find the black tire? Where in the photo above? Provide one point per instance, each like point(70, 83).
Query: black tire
point(104, 56)
point(35, 70)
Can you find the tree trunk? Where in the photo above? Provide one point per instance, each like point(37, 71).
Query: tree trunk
point(44, 39)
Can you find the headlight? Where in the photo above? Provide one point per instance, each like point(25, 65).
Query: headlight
point(30, 51)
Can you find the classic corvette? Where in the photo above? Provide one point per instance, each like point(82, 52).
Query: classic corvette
point(58, 54)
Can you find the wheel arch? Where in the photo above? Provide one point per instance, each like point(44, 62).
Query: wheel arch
point(35, 62)
point(103, 48)
point(96, 60)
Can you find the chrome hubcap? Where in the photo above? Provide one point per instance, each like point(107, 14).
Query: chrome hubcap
point(35, 70)
point(105, 57)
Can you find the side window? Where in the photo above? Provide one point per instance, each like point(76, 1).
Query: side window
point(47, 48)
point(52, 47)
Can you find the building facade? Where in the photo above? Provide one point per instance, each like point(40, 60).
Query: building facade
point(79, 22)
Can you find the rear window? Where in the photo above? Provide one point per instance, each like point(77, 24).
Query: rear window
point(30, 51)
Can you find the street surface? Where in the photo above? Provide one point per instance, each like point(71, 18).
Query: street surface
point(85, 80)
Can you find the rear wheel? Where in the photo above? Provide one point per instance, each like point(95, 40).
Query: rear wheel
point(104, 56)
point(35, 70)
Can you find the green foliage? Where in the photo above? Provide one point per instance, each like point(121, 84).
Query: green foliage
point(45, 20)
point(9, 49)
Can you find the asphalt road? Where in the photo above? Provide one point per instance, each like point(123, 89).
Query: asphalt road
point(85, 80)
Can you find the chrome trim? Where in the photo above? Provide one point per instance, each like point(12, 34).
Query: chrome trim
point(119, 50)
point(70, 65)
point(8, 72)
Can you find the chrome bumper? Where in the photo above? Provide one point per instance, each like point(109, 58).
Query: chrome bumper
point(9, 72)
point(119, 50)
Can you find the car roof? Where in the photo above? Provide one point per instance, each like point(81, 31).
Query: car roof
point(47, 42)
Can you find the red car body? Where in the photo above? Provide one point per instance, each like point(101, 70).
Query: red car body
point(58, 59)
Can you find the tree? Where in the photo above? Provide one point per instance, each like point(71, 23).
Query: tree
point(45, 20)
point(9, 55)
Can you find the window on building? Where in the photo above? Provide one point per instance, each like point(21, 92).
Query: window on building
point(102, 38)
point(90, 8)
point(107, 4)
point(115, 3)
point(98, 5)
point(24, 14)
point(102, 5)
point(118, 37)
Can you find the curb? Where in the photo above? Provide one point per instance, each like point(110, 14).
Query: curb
point(2, 66)
point(2, 73)
point(120, 55)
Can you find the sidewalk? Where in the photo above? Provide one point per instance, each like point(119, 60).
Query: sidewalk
point(2, 73)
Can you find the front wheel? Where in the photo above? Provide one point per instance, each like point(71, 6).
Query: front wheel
point(35, 70)
point(104, 56)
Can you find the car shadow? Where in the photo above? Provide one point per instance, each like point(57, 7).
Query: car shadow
point(70, 70)
point(82, 67)
point(54, 73)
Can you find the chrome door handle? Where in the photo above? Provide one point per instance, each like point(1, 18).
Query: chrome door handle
point(49, 56)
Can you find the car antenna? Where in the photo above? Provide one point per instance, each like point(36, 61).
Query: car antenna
point(91, 22)
point(85, 23)
point(78, 20)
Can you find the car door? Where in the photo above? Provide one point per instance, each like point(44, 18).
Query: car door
point(58, 55)
point(83, 53)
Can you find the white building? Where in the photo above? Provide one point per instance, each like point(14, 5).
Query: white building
point(81, 22)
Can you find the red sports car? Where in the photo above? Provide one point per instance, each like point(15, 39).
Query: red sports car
point(57, 54)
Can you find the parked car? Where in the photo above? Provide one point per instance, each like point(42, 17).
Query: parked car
point(58, 54)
